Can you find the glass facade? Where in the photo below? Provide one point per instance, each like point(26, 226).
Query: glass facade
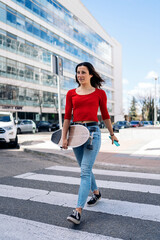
point(19, 96)
point(19, 46)
point(28, 26)
point(24, 72)
point(54, 15)
point(30, 50)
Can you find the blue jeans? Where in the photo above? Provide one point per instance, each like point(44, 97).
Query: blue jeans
point(86, 158)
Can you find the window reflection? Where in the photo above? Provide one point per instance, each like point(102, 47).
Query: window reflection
point(13, 69)
point(68, 83)
point(109, 94)
point(29, 97)
point(20, 46)
point(110, 107)
point(54, 12)
point(52, 39)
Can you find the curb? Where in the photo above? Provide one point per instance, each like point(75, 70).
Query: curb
point(48, 154)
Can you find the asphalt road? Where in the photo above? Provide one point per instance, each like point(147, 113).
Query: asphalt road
point(37, 193)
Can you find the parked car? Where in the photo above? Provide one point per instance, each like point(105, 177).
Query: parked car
point(26, 125)
point(121, 124)
point(146, 123)
point(8, 129)
point(55, 126)
point(136, 124)
point(152, 122)
point(47, 126)
point(101, 124)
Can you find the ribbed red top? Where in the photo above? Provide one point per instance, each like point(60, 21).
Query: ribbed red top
point(85, 107)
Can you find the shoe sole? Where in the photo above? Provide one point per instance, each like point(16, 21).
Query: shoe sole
point(73, 220)
point(92, 205)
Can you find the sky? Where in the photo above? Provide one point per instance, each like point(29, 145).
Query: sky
point(135, 24)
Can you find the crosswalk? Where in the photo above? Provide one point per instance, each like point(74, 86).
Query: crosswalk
point(35, 205)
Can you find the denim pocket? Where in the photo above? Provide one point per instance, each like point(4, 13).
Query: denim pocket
point(95, 136)
point(94, 131)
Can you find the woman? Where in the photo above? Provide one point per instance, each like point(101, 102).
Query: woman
point(84, 101)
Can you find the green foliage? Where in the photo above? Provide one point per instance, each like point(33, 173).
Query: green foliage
point(133, 109)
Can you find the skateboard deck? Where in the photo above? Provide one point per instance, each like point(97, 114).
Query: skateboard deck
point(77, 135)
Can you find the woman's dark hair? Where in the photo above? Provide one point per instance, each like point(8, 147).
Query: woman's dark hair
point(96, 80)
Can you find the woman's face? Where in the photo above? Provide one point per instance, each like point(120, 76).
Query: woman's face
point(83, 75)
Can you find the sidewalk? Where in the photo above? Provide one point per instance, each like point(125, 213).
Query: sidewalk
point(136, 153)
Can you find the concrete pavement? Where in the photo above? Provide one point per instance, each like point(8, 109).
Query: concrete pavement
point(139, 149)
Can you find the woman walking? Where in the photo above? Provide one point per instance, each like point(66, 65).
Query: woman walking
point(84, 102)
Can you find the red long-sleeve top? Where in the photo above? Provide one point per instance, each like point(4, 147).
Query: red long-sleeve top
point(85, 107)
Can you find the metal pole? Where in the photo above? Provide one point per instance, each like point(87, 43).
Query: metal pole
point(155, 109)
point(55, 69)
point(59, 102)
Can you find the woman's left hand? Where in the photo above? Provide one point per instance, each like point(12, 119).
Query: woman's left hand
point(114, 138)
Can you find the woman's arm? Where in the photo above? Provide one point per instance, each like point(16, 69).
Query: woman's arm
point(110, 129)
point(65, 128)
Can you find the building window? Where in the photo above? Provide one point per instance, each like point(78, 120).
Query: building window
point(29, 71)
point(51, 38)
point(20, 70)
point(2, 66)
point(11, 68)
point(11, 16)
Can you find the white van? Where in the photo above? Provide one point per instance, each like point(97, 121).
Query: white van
point(8, 129)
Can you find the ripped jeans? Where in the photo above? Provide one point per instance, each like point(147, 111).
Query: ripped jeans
point(86, 157)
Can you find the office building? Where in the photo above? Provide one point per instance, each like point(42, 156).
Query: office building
point(31, 31)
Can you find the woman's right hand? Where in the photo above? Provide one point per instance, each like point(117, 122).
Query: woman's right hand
point(66, 125)
point(65, 143)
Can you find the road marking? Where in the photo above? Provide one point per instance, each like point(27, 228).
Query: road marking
point(115, 207)
point(110, 173)
point(17, 228)
point(20, 193)
point(150, 149)
point(101, 183)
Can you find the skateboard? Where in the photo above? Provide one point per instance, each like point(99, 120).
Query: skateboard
point(77, 135)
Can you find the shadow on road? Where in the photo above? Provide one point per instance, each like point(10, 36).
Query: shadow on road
point(8, 146)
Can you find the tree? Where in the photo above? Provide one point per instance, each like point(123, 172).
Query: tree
point(146, 104)
point(151, 109)
point(133, 109)
point(142, 101)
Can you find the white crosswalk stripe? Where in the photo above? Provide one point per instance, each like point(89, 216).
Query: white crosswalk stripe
point(104, 184)
point(13, 228)
point(109, 172)
point(122, 208)
point(16, 228)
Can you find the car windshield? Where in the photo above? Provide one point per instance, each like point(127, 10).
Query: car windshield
point(5, 118)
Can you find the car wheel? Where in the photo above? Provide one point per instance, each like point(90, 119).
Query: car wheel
point(15, 143)
point(33, 130)
point(18, 131)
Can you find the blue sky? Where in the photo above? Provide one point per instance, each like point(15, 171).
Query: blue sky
point(136, 25)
